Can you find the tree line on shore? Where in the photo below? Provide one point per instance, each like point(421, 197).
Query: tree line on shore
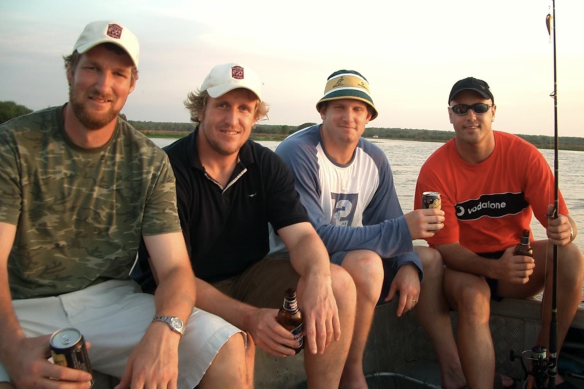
point(279, 132)
point(9, 110)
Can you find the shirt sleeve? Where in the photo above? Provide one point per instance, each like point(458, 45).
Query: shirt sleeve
point(385, 210)
point(161, 214)
point(284, 206)
point(388, 235)
point(10, 188)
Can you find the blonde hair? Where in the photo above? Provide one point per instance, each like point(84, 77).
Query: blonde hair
point(196, 102)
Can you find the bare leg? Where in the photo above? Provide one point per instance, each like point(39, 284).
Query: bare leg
point(569, 287)
point(366, 269)
point(324, 370)
point(433, 314)
point(229, 369)
point(470, 296)
point(250, 360)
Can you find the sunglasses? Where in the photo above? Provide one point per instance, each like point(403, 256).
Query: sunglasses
point(478, 108)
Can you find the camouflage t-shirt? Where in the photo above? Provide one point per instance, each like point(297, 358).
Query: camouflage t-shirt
point(79, 213)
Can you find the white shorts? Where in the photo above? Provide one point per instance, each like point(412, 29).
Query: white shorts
point(113, 316)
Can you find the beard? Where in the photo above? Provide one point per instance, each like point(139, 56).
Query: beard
point(91, 120)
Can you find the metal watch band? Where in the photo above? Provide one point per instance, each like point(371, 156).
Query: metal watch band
point(173, 322)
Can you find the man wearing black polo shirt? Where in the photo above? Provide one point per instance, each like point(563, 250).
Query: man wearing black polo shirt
point(229, 188)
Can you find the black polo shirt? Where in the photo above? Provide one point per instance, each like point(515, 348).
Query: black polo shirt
point(226, 229)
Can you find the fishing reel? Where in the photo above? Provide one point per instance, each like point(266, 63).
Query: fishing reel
point(540, 365)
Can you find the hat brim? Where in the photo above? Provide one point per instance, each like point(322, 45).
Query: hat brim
point(349, 94)
point(220, 90)
point(479, 91)
point(88, 46)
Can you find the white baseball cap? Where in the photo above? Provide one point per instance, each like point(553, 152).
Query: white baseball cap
point(226, 77)
point(96, 33)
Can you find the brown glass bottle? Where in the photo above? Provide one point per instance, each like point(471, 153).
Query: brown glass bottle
point(290, 317)
point(524, 248)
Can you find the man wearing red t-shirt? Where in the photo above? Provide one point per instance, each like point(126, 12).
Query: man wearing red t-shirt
point(491, 183)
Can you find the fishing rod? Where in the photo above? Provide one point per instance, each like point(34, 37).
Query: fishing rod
point(543, 368)
point(553, 341)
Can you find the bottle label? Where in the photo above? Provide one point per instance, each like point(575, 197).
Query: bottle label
point(297, 332)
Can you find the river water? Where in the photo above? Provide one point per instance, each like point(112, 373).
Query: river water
point(406, 159)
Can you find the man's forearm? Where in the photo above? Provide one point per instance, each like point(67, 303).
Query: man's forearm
point(309, 257)
point(176, 291)
point(213, 301)
point(176, 294)
point(10, 329)
point(461, 259)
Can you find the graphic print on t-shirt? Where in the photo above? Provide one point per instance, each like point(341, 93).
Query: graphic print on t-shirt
point(344, 205)
point(491, 205)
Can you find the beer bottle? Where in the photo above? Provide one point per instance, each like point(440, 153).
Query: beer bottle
point(524, 248)
point(290, 317)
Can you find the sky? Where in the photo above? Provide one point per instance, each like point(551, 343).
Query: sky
point(411, 52)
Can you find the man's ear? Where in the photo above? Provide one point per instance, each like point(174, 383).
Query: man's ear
point(369, 114)
point(69, 74)
point(322, 110)
point(132, 85)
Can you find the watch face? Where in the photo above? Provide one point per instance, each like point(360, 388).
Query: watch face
point(177, 323)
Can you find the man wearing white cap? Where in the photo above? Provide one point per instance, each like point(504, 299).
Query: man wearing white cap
point(79, 187)
point(346, 184)
point(229, 188)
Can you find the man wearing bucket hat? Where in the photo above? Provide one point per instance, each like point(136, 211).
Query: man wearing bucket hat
point(345, 182)
point(229, 188)
point(79, 187)
point(485, 219)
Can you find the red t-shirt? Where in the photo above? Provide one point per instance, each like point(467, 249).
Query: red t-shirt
point(488, 205)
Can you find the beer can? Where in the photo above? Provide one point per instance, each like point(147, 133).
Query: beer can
point(431, 200)
point(68, 349)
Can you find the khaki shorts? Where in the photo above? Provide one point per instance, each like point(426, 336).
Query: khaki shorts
point(114, 316)
point(263, 284)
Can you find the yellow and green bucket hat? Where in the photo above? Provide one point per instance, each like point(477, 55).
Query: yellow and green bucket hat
point(347, 84)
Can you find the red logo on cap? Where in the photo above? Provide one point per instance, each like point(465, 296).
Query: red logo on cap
point(114, 31)
point(237, 72)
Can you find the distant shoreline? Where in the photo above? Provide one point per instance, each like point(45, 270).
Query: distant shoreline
point(258, 136)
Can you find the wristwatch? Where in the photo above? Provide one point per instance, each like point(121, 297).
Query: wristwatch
point(173, 322)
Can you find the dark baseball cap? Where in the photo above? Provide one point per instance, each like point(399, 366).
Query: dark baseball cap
point(471, 83)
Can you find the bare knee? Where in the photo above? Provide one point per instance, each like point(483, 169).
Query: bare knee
point(343, 287)
point(469, 295)
point(230, 366)
point(570, 267)
point(432, 263)
point(250, 350)
point(474, 303)
point(366, 269)
point(236, 344)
